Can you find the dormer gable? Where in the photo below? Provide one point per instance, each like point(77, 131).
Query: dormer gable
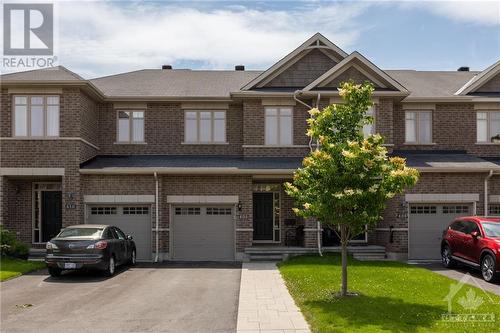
point(357, 68)
point(484, 83)
point(301, 66)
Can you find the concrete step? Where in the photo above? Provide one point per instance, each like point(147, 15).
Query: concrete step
point(265, 257)
point(36, 255)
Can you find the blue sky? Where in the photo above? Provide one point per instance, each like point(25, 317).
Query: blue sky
point(102, 38)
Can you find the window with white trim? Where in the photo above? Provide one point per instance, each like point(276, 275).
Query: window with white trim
point(36, 116)
point(278, 126)
point(488, 126)
point(204, 126)
point(369, 129)
point(130, 126)
point(418, 127)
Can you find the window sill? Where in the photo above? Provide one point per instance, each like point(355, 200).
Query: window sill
point(204, 143)
point(488, 143)
point(130, 143)
point(419, 144)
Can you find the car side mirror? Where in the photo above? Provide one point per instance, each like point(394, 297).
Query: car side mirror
point(474, 234)
point(129, 237)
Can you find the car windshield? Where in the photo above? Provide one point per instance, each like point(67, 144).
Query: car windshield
point(81, 233)
point(491, 229)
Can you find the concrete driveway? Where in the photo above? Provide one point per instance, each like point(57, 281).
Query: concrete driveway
point(160, 298)
point(459, 272)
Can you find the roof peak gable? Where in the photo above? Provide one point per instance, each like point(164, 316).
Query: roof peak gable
point(357, 60)
point(479, 79)
point(317, 41)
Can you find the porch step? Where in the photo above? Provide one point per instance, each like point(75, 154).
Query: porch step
point(36, 255)
point(265, 257)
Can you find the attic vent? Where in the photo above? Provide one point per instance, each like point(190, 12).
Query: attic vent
point(239, 68)
point(463, 69)
point(166, 67)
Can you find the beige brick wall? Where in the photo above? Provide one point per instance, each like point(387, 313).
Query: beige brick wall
point(164, 132)
point(454, 128)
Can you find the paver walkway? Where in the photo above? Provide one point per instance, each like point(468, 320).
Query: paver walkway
point(265, 304)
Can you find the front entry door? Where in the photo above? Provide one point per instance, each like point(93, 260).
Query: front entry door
point(51, 214)
point(263, 216)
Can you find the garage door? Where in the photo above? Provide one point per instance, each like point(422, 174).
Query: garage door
point(426, 225)
point(133, 220)
point(203, 233)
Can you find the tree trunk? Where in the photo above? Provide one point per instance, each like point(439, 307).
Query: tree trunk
point(344, 239)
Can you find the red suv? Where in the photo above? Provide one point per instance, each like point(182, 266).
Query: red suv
point(474, 241)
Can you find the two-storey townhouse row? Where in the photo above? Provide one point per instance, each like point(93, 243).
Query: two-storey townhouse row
point(192, 162)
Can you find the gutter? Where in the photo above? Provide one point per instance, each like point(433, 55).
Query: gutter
point(486, 192)
point(156, 217)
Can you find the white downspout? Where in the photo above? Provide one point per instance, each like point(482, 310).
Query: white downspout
point(156, 217)
point(486, 192)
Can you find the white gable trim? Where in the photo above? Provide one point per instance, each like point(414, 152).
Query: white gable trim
point(345, 68)
point(345, 63)
point(316, 38)
point(479, 80)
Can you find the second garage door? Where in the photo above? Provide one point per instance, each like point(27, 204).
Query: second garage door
point(426, 225)
point(132, 220)
point(203, 233)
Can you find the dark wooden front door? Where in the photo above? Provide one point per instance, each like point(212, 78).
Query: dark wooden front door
point(51, 214)
point(263, 216)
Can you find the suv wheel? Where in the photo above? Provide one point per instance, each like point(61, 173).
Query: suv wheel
point(132, 258)
point(446, 258)
point(54, 271)
point(488, 268)
point(110, 270)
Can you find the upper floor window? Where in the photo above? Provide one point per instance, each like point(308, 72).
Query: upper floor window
point(488, 126)
point(130, 126)
point(204, 126)
point(369, 129)
point(36, 116)
point(418, 127)
point(278, 126)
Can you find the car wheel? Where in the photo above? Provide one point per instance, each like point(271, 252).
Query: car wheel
point(54, 271)
point(488, 268)
point(110, 270)
point(446, 258)
point(132, 260)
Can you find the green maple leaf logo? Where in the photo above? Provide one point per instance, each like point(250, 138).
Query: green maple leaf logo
point(470, 301)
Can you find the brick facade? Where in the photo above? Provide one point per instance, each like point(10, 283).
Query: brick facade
point(88, 126)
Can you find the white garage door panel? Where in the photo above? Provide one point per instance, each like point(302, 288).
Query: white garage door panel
point(426, 225)
point(132, 220)
point(199, 236)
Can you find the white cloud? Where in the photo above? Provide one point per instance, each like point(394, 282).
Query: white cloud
point(97, 38)
point(477, 12)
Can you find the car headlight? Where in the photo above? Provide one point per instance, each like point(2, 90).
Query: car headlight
point(51, 246)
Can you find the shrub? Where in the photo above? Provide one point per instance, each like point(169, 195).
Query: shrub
point(11, 246)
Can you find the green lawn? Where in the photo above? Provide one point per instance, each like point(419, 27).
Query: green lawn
point(10, 267)
point(394, 297)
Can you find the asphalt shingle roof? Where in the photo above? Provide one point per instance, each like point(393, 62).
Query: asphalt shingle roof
point(445, 159)
point(58, 73)
point(191, 161)
point(174, 83)
point(431, 84)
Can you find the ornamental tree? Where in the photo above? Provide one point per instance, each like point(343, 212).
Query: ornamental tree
point(347, 179)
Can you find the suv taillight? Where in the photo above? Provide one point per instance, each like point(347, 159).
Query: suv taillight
point(101, 245)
